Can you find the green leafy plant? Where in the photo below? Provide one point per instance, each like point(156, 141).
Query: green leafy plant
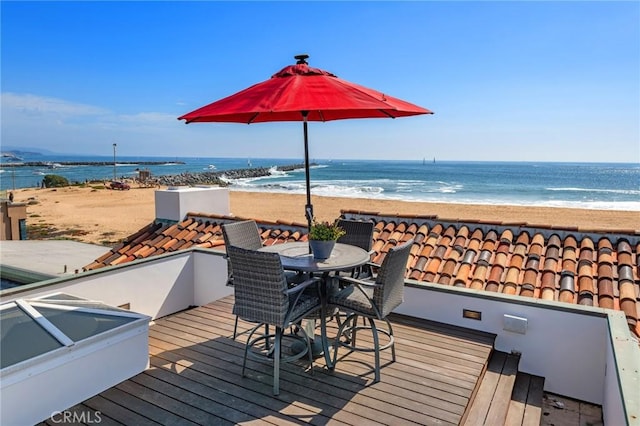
point(325, 231)
point(55, 181)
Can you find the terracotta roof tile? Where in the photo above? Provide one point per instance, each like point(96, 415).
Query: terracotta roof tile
point(545, 262)
point(507, 236)
point(449, 267)
point(469, 256)
point(495, 277)
point(530, 278)
point(474, 245)
point(486, 254)
point(536, 249)
point(569, 259)
point(625, 258)
point(567, 287)
point(189, 244)
point(426, 251)
point(440, 250)
point(554, 241)
point(462, 276)
point(551, 258)
point(415, 250)
point(548, 281)
point(513, 276)
point(477, 234)
point(479, 276)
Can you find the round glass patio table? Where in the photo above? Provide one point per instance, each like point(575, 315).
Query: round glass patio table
point(297, 257)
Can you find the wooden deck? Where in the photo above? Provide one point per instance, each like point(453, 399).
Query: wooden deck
point(195, 378)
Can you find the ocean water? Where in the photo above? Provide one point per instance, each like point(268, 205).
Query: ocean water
point(610, 186)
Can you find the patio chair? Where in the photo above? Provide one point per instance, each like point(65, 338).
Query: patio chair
point(243, 234)
point(263, 296)
point(372, 299)
point(246, 235)
point(360, 234)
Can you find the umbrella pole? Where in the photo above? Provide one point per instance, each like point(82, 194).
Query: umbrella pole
point(309, 207)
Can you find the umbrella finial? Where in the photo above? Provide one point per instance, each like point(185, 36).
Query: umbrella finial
point(301, 59)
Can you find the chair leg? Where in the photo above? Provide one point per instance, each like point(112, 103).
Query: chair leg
point(235, 328)
point(325, 346)
point(342, 329)
point(393, 343)
point(247, 346)
point(354, 329)
point(276, 361)
point(376, 347)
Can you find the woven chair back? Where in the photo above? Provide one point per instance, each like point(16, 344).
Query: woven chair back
point(243, 234)
point(359, 233)
point(390, 294)
point(259, 286)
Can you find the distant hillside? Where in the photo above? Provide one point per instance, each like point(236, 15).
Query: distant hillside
point(22, 150)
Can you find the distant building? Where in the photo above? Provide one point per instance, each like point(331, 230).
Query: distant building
point(13, 225)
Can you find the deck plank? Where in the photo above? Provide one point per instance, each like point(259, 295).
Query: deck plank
point(194, 377)
point(518, 400)
point(502, 397)
point(533, 409)
point(482, 402)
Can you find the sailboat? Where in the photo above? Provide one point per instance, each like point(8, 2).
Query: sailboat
point(424, 161)
point(248, 162)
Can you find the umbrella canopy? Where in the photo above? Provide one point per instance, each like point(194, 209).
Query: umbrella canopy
point(302, 93)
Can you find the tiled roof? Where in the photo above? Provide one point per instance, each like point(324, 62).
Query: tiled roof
point(584, 267)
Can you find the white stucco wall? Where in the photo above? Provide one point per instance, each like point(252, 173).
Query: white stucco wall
point(156, 287)
point(567, 347)
point(175, 203)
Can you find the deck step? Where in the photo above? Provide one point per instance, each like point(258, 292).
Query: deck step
point(525, 407)
point(491, 403)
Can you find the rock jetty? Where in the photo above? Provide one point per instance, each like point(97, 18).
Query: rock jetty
point(219, 178)
point(53, 165)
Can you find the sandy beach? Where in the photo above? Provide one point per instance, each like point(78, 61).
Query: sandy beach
point(102, 216)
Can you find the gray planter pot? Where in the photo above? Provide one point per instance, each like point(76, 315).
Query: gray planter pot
point(321, 249)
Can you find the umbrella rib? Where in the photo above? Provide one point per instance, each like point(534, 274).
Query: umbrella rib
point(253, 118)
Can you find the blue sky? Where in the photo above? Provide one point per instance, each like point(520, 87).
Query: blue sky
point(508, 81)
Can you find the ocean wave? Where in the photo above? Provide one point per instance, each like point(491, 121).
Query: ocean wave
point(346, 191)
point(608, 191)
point(274, 172)
point(379, 193)
point(317, 188)
point(357, 188)
point(437, 187)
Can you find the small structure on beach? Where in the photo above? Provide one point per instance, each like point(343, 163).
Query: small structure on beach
point(13, 220)
point(144, 178)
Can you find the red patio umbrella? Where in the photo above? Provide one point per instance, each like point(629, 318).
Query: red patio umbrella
point(302, 93)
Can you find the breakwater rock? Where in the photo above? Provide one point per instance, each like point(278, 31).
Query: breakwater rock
point(55, 165)
point(220, 178)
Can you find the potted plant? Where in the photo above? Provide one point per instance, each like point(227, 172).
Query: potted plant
point(322, 238)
